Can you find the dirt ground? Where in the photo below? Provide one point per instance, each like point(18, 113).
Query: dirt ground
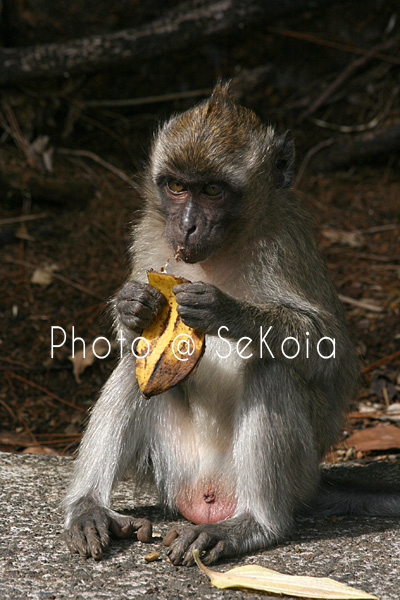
point(84, 210)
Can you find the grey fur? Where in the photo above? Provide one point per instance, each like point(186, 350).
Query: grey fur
point(260, 425)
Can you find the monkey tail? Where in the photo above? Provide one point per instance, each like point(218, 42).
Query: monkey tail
point(333, 499)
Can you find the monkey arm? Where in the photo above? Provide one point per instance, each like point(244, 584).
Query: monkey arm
point(109, 446)
point(205, 307)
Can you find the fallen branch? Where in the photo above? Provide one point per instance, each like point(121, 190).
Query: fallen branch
point(23, 219)
point(360, 148)
point(100, 161)
point(49, 188)
point(344, 75)
point(380, 362)
point(361, 304)
point(180, 27)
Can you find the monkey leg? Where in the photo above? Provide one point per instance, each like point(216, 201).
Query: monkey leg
point(114, 440)
point(276, 463)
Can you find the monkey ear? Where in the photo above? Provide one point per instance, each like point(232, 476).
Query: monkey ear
point(284, 160)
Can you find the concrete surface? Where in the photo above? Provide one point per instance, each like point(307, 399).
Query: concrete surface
point(35, 564)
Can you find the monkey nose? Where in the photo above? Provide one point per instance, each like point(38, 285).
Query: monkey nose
point(189, 233)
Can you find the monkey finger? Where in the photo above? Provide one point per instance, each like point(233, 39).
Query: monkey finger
point(197, 288)
point(198, 318)
point(124, 527)
point(93, 541)
point(144, 530)
point(77, 540)
point(196, 300)
point(135, 308)
point(134, 289)
point(68, 540)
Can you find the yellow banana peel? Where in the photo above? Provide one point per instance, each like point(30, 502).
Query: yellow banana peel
point(169, 351)
point(255, 577)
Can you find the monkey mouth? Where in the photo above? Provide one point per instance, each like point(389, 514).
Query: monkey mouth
point(192, 254)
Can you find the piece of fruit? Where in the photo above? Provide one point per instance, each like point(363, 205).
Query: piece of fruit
point(170, 350)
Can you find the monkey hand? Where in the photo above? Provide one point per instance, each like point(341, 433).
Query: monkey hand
point(203, 306)
point(138, 304)
point(88, 533)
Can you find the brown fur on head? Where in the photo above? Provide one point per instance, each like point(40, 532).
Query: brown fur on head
point(216, 142)
point(213, 139)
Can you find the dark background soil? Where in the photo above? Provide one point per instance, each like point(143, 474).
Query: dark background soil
point(89, 210)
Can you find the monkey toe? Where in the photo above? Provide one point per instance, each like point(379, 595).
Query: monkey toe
point(171, 536)
point(201, 543)
point(178, 548)
point(220, 550)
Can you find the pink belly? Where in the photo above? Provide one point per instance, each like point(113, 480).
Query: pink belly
point(206, 503)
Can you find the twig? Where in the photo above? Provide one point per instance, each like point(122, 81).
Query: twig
point(376, 257)
point(361, 304)
point(349, 70)
point(380, 362)
point(87, 154)
point(379, 228)
point(45, 391)
point(20, 141)
point(149, 99)
point(179, 27)
point(9, 409)
point(23, 219)
point(77, 286)
point(309, 37)
point(308, 157)
point(359, 128)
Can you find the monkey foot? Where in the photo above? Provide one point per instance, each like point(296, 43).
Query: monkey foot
point(88, 533)
point(211, 539)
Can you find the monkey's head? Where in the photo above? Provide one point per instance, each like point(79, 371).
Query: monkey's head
point(213, 168)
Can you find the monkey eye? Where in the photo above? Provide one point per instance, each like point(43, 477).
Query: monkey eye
point(212, 189)
point(176, 187)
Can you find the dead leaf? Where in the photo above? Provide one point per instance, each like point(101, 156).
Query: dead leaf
point(151, 557)
point(354, 239)
point(44, 275)
point(256, 577)
point(80, 362)
point(381, 437)
point(15, 439)
point(380, 383)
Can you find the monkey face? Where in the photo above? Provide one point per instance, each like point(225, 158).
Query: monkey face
point(198, 216)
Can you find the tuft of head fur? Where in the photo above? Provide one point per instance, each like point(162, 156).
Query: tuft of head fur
point(220, 140)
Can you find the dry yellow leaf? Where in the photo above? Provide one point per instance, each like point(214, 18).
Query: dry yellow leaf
point(169, 350)
point(259, 578)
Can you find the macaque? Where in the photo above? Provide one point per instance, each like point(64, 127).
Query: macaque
point(234, 449)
